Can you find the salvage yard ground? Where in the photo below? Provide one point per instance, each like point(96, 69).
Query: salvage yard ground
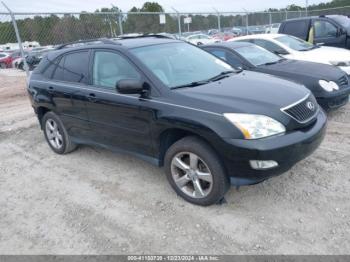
point(93, 201)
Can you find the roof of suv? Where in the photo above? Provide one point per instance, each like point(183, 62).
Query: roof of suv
point(128, 42)
point(311, 17)
point(133, 42)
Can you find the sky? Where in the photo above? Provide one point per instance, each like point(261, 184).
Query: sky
point(180, 5)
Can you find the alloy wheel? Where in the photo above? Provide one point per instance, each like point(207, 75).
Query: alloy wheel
point(191, 175)
point(53, 134)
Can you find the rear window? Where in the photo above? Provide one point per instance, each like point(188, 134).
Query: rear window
point(296, 28)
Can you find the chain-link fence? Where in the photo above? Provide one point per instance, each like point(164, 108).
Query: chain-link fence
point(55, 28)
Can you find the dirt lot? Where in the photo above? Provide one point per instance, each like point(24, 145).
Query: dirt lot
point(93, 201)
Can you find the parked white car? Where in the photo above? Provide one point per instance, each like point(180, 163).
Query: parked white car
point(295, 48)
point(201, 39)
point(272, 29)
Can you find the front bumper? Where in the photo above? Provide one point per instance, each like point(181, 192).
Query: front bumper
point(286, 150)
point(335, 99)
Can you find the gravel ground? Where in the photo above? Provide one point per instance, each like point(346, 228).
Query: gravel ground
point(97, 202)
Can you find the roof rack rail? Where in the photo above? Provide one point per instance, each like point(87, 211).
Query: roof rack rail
point(143, 35)
point(91, 41)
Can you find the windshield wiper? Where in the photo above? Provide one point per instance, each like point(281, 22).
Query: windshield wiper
point(192, 84)
point(212, 79)
point(223, 75)
point(270, 63)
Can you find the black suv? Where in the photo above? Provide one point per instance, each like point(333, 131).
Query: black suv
point(176, 106)
point(330, 30)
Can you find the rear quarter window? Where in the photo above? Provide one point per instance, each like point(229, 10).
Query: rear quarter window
point(296, 28)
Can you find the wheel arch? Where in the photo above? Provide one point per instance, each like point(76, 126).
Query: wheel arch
point(171, 135)
point(41, 111)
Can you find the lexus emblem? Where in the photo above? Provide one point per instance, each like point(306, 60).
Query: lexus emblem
point(310, 106)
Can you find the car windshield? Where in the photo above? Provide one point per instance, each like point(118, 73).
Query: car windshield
point(180, 64)
point(257, 55)
point(295, 43)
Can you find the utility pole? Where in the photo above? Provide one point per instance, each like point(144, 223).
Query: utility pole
point(178, 20)
point(219, 19)
point(246, 19)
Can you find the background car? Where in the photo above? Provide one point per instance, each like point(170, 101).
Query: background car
point(295, 48)
point(224, 36)
point(201, 39)
point(329, 84)
point(33, 58)
point(272, 29)
point(329, 30)
point(5, 60)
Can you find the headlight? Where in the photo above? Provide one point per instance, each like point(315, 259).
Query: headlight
point(328, 86)
point(340, 63)
point(255, 126)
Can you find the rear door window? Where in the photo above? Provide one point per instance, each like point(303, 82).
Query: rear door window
point(58, 74)
point(297, 28)
point(76, 67)
point(73, 67)
point(48, 71)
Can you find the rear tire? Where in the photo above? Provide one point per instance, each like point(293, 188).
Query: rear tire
point(195, 172)
point(56, 135)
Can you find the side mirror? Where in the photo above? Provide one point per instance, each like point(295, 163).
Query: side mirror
point(130, 86)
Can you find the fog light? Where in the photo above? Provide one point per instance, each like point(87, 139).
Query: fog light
point(260, 164)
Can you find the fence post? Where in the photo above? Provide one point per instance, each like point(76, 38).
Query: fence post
point(270, 21)
point(178, 20)
point(120, 22)
point(18, 40)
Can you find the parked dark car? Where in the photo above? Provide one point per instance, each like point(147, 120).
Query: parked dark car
point(33, 58)
point(330, 30)
point(329, 84)
point(176, 106)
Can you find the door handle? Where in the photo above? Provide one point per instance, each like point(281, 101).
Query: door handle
point(92, 97)
point(51, 89)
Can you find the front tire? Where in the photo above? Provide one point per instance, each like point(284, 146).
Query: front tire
point(195, 172)
point(56, 135)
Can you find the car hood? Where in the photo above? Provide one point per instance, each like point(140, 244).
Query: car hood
point(323, 54)
point(246, 92)
point(300, 70)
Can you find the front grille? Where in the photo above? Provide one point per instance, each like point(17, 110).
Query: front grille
point(343, 81)
point(304, 110)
